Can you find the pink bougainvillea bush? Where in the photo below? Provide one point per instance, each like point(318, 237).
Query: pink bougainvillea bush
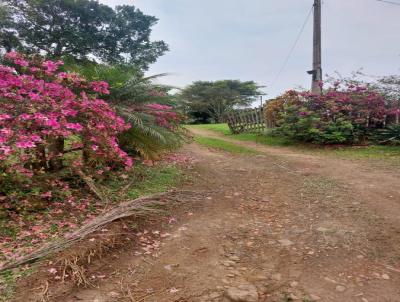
point(342, 114)
point(54, 125)
point(165, 115)
point(42, 109)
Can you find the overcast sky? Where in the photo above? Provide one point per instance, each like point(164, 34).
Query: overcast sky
point(250, 39)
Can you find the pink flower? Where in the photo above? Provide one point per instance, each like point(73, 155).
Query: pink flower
point(5, 117)
point(69, 112)
point(74, 126)
point(35, 96)
point(100, 87)
point(46, 194)
point(21, 62)
point(35, 138)
point(12, 55)
point(6, 150)
point(52, 123)
point(25, 116)
point(34, 69)
point(51, 66)
point(25, 145)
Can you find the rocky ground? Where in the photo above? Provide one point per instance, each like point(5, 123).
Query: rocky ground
point(277, 226)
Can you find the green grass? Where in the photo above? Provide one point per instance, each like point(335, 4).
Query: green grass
point(8, 281)
point(223, 145)
point(247, 137)
point(145, 180)
point(367, 152)
point(221, 128)
point(155, 180)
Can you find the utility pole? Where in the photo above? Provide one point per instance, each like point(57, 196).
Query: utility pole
point(316, 72)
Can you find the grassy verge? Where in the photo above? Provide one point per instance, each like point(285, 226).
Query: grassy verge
point(367, 152)
point(145, 181)
point(391, 153)
point(221, 128)
point(249, 137)
point(223, 145)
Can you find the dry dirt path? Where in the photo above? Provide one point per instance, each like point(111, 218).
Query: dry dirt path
point(278, 226)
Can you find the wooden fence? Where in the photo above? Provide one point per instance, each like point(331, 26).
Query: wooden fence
point(246, 120)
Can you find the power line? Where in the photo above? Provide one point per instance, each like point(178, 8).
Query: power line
point(293, 47)
point(389, 2)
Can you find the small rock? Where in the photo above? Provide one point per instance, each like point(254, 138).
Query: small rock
point(322, 229)
point(260, 278)
point(214, 295)
point(113, 294)
point(314, 297)
point(234, 258)
point(293, 297)
point(285, 242)
point(294, 284)
point(242, 293)
point(329, 280)
point(340, 288)
point(228, 263)
point(276, 277)
point(364, 300)
point(385, 277)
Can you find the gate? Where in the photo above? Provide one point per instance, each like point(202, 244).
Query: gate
point(246, 120)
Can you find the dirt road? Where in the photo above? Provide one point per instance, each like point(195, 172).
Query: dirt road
point(278, 226)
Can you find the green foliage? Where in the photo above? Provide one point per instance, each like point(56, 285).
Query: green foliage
point(299, 124)
point(223, 145)
point(130, 91)
point(128, 84)
point(207, 102)
point(147, 139)
point(7, 285)
point(8, 39)
point(341, 115)
point(389, 135)
point(8, 281)
point(146, 180)
point(83, 29)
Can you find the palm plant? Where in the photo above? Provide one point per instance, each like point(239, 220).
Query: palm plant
point(130, 91)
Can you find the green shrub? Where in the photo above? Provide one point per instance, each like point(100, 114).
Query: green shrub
point(339, 116)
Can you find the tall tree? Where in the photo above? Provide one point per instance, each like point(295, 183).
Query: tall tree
point(85, 29)
point(8, 38)
point(205, 101)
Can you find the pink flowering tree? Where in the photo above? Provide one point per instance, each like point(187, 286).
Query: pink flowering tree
point(46, 114)
point(165, 115)
point(342, 114)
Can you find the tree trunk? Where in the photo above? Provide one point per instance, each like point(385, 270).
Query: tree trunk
point(56, 151)
point(41, 162)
